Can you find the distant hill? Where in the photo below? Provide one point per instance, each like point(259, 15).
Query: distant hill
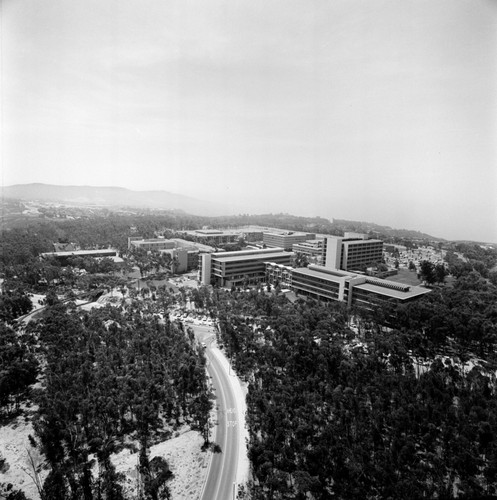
point(111, 196)
point(321, 225)
point(371, 227)
point(122, 197)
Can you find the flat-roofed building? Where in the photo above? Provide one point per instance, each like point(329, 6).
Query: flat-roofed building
point(216, 236)
point(185, 252)
point(236, 268)
point(285, 239)
point(150, 244)
point(104, 252)
point(312, 249)
point(279, 274)
point(377, 292)
point(323, 283)
point(351, 254)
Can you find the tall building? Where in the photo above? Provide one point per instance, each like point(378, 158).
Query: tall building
point(353, 253)
point(236, 268)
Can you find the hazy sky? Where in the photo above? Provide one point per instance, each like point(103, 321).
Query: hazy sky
point(381, 111)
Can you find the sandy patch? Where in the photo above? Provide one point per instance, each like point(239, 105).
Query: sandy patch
point(15, 448)
point(187, 461)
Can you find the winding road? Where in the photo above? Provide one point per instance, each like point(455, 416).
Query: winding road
point(220, 483)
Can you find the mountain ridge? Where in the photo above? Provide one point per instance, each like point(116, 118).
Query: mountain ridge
point(112, 196)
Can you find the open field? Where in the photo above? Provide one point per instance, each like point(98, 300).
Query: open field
point(405, 276)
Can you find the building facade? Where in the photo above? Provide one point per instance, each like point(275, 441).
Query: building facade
point(322, 283)
point(351, 254)
point(241, 267)
point(285, 239)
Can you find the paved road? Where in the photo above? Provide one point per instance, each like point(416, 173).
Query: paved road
point(220, 482)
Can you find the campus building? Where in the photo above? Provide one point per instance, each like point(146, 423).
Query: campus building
point(236, 268)
point(214, 236)
point(351, 252)
point(285, 239)
point(185, 253)
point(313, 249)
point(150, 244)
point(65, 256)
point(327, 284)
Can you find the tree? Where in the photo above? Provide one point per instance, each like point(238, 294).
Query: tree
point(440, 273)
point(14, 304)
point(18, 369)
point(427, 272)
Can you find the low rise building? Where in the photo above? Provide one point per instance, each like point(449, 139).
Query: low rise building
point(184, 252)
point(327, 284)
point(215, 236)
point(285, 239)
point(313, 249)
point(63, 257)
point(150, 244)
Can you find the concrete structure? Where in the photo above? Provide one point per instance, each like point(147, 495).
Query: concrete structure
point(313, 249)
point(185, 252)
point(64, 257)
point(309, 247)
point(150, 244)
point(285, 239)
point(332, 284)
point(215, 236)
point(351, 254)
point(236, 268)
point(106, 252)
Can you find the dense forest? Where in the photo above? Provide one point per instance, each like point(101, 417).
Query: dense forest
point(368, 411)
point(111, 378)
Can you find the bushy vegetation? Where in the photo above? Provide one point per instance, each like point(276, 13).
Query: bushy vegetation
point(111, 380)
point(400, 414)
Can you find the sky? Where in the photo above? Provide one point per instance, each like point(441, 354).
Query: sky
point(375, 110)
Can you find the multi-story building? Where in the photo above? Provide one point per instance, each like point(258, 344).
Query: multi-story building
point(279, 274)
point(313, 249)
point(285, 239)
point(351, 253)
point(215, 236)
point(236, 268)
point(332, 284)
point(150, 244)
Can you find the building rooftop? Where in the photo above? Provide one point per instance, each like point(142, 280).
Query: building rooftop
point(80, 252)
point(413, 291)
point(325, 274)
point(286, 233)
point(256, 256)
